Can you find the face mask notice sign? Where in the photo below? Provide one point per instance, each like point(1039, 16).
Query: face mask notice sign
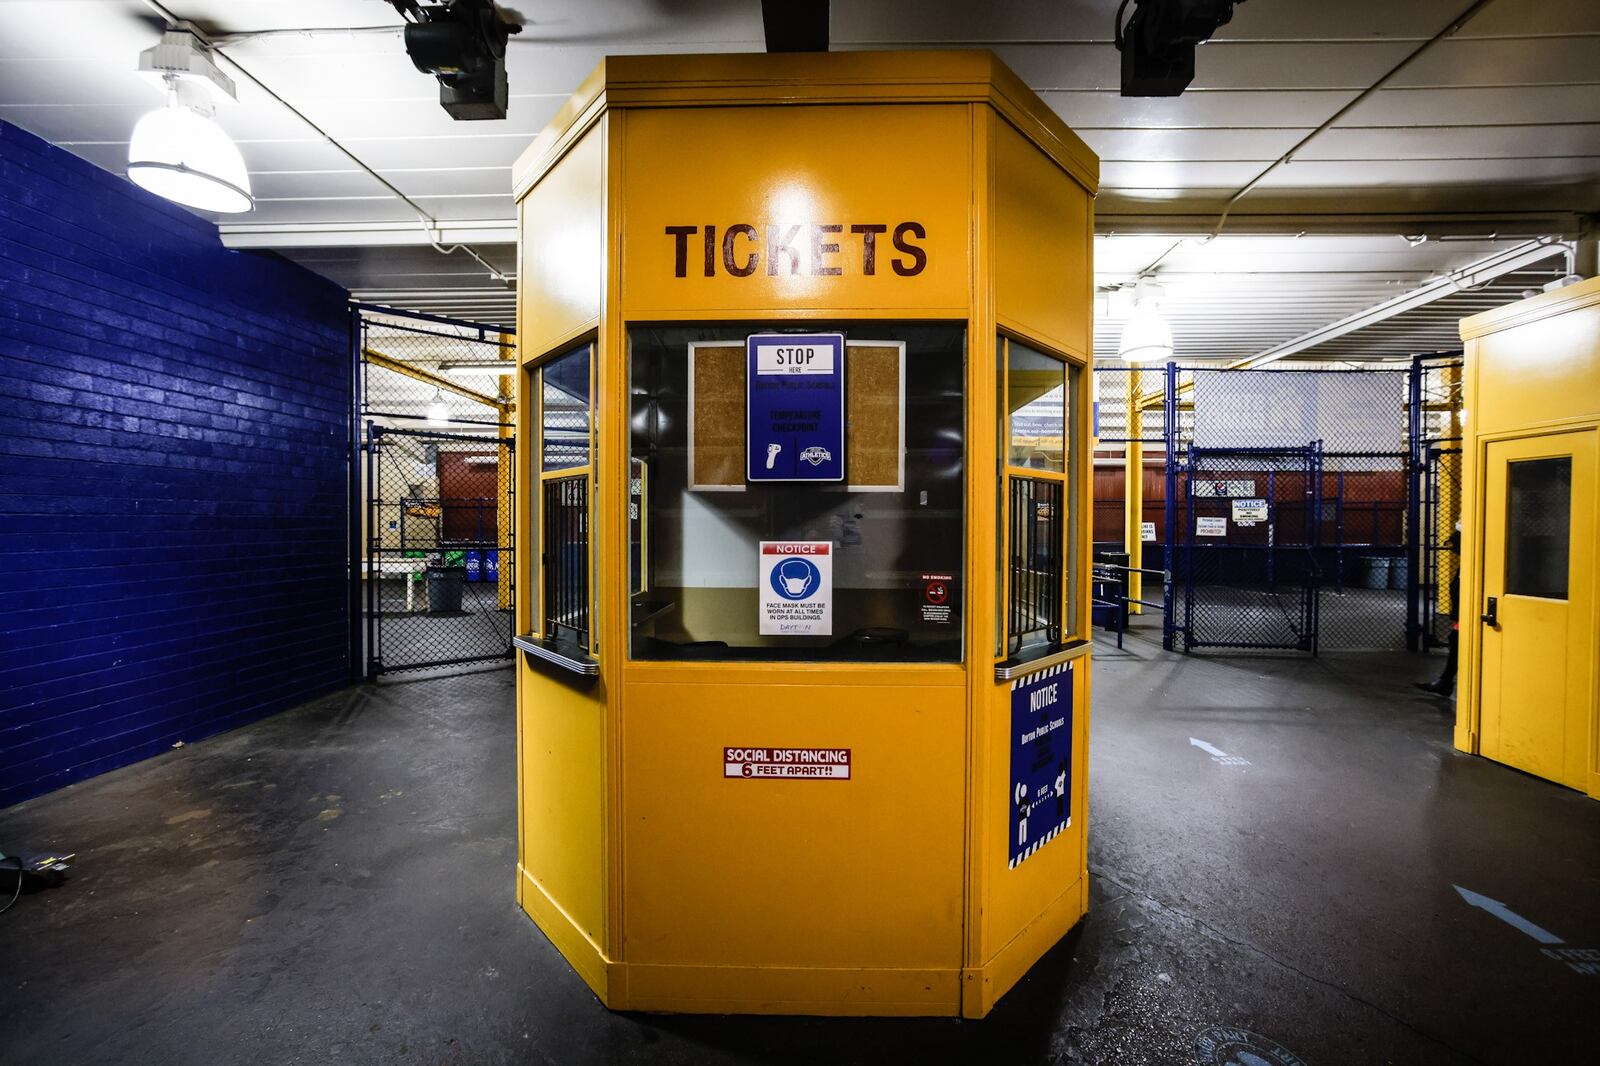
point(796, 585)
point(795, 407)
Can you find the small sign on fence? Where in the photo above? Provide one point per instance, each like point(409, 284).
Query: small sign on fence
point(1219, 490)
point(1211, 527)
point(1249, 512)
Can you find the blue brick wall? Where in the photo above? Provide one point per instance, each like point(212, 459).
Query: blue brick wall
point(173, 475)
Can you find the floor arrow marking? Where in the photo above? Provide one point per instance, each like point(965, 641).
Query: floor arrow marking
point(1217, 754)
point(1507, 915)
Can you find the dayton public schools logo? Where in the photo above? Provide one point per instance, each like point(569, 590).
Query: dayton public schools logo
point(816, 455)
point(795, 578)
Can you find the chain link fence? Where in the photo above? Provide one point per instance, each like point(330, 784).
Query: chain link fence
point(437, 404)
point(1247, 574)
point(1364, 544)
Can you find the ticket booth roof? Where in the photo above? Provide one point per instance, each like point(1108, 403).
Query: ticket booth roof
point(773, 80)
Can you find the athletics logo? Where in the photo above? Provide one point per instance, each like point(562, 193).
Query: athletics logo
point(816, 455)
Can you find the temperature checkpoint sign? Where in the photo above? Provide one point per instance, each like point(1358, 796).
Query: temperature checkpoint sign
point(795, 406)
point(824, 764)
point(796, 586)
point(1041, 760)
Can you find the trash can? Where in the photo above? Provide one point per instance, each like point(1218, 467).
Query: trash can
point(445, 585)
point(1375, 572)
point(1399, 571)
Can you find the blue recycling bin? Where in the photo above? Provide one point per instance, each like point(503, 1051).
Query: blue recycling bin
point(474, 566)
point(491, 565)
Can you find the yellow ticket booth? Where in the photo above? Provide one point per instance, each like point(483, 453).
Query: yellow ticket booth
point(802, 481)
point(1530, 587)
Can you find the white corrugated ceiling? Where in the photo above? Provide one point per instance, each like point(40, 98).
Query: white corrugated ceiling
point(1491, 134)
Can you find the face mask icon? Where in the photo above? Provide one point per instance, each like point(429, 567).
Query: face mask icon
point(772, 454)
point(796, 576)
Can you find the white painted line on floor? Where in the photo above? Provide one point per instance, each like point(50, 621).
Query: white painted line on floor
point(1218, 755)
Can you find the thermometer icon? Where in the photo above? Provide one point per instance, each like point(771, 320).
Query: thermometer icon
point(772, 454)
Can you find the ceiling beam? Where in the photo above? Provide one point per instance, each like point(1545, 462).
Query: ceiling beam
point(1474, 274)
point(1563, 225)
point(363, 234)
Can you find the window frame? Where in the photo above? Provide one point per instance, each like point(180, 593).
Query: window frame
point(537, 624)
point(1008, 645)
point(743, 326)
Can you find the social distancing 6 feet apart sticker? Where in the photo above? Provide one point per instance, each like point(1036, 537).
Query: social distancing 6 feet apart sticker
point(825, 764)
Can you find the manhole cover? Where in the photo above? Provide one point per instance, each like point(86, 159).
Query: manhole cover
point(1223, 1045)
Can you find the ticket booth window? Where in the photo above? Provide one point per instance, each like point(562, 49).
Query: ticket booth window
point(866, 567)
point(1037, 533)
point(563, 572)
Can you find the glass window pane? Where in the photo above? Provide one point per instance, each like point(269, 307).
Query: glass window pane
point(1074, 494)
point(565, 432)
point(1538, 527)
point(894, 530)
point(1036, 406)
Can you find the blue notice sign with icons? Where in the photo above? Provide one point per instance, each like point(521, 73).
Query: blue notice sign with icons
point(1041, 760)
point(795, 406)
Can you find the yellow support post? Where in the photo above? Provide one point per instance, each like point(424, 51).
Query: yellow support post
point(1133, 492)
point(427, 377)
point(1447, 508)
point(504, 471)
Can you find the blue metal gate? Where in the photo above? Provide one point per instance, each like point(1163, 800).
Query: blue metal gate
point(1247, 562)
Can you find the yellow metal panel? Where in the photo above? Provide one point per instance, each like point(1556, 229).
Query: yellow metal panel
point(561, 258)
point(1538, 663)
point(1041, 266)
point(561, 726)
point(864, 873)
point(1017, 895)
point(802, 208)
point(738, 79)
point(1529, 694)
point(562, 784)
point(1540, 360)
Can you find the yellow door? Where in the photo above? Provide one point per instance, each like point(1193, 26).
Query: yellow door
point(1537, 605)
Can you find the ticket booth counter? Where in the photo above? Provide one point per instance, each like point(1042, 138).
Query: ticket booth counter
point(803, 465)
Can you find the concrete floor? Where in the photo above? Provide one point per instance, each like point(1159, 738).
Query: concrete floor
point(335, 884)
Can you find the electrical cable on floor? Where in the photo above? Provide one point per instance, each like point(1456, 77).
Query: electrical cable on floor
point(16, 895)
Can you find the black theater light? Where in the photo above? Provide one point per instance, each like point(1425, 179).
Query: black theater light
point(463, 44)
point(1159, 39)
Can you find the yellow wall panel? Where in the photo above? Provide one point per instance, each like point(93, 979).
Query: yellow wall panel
point(765, 181)
point(1529, 686)
point(561, 258)
point(819, 873)
point(562, 753)
point(1041, 257)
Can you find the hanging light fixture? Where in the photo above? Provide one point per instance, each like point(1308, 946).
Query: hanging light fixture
point(438, 409)
point(178, 151)
point(1146, 336)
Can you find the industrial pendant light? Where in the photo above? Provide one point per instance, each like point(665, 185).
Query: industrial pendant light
point(438, 409)
point(1146, 336)
point(179, 152)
